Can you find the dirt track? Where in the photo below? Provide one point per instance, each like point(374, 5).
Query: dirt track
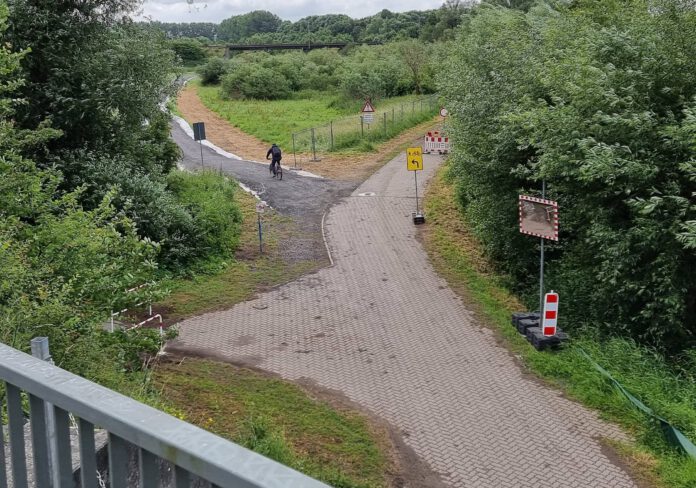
point(347, 167)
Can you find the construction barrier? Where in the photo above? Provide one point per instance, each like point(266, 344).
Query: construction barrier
point(435, 141)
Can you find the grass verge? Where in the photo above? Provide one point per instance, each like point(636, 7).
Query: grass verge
point(457, 256)
point(277, 419)
point(276, 120)
point(220, 285)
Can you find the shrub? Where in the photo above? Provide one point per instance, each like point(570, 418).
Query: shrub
point(189, 50)
point(254, 81)
point(209, 199)
point(212, 71)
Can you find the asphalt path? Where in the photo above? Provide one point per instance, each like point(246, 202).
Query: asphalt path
point(303, 198)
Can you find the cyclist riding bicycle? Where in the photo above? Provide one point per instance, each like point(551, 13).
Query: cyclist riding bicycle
point(276, 155)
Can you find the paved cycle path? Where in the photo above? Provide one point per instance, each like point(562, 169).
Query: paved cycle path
point(384, 329)
point(303, 198)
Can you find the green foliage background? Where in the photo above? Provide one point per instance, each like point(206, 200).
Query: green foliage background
point(362, 72)
point(596, 98)
point(90, 202)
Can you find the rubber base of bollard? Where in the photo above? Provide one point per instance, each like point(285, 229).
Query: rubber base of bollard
point(540, 342)
point(517, 316)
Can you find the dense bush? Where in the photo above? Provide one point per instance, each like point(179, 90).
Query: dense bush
point(212, 71)
point(189, 51)
point(254, 81)
point(209, 199)
point(597, 98)
point(365, 72)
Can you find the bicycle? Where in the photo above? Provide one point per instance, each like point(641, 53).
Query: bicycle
point(276, 170)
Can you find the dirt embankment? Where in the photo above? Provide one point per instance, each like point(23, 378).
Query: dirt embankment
point(347, 167)
point(218, 130)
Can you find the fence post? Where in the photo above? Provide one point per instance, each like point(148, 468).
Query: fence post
point(413, 107)
point(362, 127)
point(314, 146)
point(332, 139)
point(294, 154)
point(421, 101)
point(393, 116)
point(385, 124)
point(40, 349)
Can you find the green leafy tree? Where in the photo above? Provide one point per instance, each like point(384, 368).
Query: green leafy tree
point(190, 51)
point(239, 27)
point(62, 268)
point(91, 73)
point(417, 58)
point(596, 98)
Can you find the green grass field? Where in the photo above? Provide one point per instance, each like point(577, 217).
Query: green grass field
point(278, 420)
point(668, 390)
point(276, 120)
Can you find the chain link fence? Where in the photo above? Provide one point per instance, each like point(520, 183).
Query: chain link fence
point(352, 132)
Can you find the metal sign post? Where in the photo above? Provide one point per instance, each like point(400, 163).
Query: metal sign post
point(260, 209)
point(539, 218)
point(368, 114)
point(541, 259)
point(199, 135)
point(414, 162)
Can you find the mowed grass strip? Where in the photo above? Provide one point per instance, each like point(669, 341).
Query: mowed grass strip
point(273, 120)
point(276, 120)
point(220, 285)
point(671, 392)
point(278, 420)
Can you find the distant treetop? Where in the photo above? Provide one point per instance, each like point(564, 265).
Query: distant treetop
point(261, 26)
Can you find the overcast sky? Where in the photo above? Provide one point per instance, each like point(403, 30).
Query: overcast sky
point(218, 10)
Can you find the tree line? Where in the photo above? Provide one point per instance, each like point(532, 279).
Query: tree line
point(261, 26)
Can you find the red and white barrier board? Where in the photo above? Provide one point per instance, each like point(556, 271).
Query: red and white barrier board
point(549, 319)
point(435, 141)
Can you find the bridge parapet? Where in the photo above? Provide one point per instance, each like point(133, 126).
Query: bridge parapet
point(193, 454)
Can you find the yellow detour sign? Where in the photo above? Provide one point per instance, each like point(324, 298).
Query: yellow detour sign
point(414, 159)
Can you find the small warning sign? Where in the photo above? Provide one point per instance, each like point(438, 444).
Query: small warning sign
point(414, 159)
point(368, 108)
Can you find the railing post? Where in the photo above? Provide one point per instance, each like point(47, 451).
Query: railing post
point(314, 146)
point(332, 138)
point(294, 153)
point(3, 464)
point(385, 124)
point(40, 349)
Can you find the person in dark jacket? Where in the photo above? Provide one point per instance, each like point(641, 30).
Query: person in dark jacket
point(275, 154)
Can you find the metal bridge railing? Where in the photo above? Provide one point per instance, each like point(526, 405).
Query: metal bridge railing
point(158, 438)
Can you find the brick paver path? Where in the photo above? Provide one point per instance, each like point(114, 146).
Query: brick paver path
point(383, 328)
